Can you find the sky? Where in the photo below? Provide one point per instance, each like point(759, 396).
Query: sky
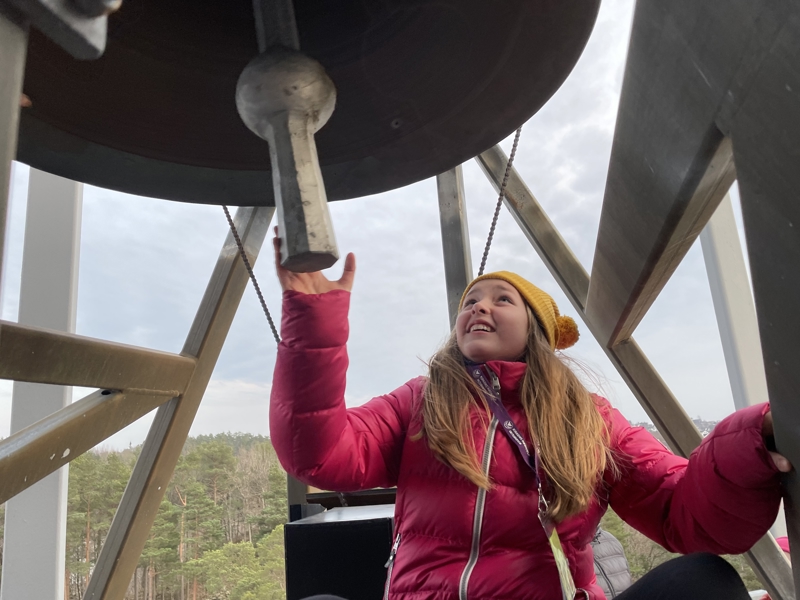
point(144, 265)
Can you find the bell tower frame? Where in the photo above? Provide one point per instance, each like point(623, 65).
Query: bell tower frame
point(696, 112)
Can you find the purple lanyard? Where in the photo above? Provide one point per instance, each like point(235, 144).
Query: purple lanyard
point(492, 393)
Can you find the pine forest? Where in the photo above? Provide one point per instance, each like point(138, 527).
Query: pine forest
point(219, 532)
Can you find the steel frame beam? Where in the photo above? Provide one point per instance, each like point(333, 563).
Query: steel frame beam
point(42, 448)
point(162, 448)
point(618, 309)
point(137, 380)
point(455, 237)
point(682, 93)
point(670, 163)
point(734, 308)
point(736, 315)
point(34, 541)
point(39, 355)
point(13, 50)
point(764, 131)
point(642, 378)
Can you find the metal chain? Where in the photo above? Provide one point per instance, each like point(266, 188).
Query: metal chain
point(500, 200)
point(250, 272)
point(502, 194)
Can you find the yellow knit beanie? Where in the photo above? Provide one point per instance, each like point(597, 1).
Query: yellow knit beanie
point(561, 331)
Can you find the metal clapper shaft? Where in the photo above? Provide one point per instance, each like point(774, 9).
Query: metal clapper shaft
point(285, 97)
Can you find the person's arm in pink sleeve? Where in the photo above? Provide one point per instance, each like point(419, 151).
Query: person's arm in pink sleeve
point(722, 500)
point(317, 439)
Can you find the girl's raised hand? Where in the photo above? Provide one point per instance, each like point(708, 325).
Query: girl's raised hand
point(316, 282)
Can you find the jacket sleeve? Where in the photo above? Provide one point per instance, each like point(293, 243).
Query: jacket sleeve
point(316, 438)
point(722, 500)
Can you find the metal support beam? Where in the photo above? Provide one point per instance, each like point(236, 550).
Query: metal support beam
point(455, 238)
point(764, 131)
point(42, 448)
point(36, 521)
point(734, 308)
point(630, 271)
point(162, 448)
point(681, 94)
point(13, 49)
point(538, 228)
point(642, 378)
point(40, 355)
point(736, 315)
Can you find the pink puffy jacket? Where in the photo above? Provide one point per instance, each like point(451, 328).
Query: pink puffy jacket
point(454, 541)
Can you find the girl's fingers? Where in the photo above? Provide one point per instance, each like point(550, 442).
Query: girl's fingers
point(767, 430)
point(283, 274)
point(276, 244)
point(312, 283)
point(348, 275)
point(781, 462)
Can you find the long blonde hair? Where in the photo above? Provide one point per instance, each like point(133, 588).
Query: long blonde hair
point(562, 416)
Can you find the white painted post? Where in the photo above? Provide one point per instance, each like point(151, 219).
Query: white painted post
point(736, 314)
point(35, 527)
point(4, 235)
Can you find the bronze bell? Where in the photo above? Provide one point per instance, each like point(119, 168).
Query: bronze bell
point(422, 86)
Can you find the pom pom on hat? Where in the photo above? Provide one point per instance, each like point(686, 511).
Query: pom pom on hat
point(567, 332)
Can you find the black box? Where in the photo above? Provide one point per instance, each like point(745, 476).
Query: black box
point(341, 552)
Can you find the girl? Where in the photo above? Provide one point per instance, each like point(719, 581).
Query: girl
point(504, 463)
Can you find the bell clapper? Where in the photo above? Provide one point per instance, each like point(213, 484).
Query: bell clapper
point(284, 97)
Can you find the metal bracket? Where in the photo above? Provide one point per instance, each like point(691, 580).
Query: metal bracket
point(82, 35)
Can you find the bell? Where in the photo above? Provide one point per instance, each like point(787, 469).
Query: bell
point(421, 86)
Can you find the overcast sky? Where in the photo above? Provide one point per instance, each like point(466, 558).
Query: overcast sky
point(156, 256)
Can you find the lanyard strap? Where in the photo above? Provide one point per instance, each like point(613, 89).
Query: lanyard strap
point(492, 394)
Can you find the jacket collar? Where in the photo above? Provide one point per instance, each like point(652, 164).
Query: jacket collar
point(510, 375)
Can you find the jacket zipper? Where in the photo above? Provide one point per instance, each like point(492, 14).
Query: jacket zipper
point(390, 566)
point(606, 577)
point(477, 521)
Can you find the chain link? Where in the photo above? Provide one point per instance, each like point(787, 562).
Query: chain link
point(252, 275)
point(500, 200)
